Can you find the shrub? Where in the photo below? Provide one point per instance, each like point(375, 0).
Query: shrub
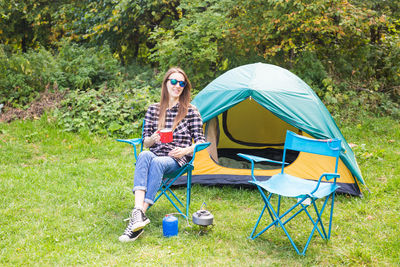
point(24, 75)
point(84, 68)
point(311, 70)
point(115, 111)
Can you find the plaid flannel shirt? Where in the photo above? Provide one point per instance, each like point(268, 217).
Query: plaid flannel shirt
point(188, 130)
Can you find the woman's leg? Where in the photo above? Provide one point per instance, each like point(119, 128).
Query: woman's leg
point(139, 199)
point(138, 219)
point(141, 176)
point(148, 175)
point(158, 167)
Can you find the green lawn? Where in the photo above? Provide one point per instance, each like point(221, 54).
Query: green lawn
point(64, 198)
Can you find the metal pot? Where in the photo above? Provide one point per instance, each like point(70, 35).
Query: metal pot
point(203, 218)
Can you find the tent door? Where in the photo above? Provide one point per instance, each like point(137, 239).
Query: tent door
point(247, 128)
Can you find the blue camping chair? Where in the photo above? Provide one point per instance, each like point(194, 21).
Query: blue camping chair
point(170, 178)
point(303, 190)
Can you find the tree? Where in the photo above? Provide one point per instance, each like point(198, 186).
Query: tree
point(28, 24)
point(125, 25)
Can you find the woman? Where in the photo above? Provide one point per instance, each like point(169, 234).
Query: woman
point(174, 112)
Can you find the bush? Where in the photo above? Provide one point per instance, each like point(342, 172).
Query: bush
point(113, 111)
point(102, 111)
point(83, 68)
point(24, 75)
point(312, 71)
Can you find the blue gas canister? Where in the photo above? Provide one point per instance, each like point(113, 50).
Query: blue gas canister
point(170, 225)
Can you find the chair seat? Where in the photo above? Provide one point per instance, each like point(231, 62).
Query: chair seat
point(290, 186)
point(180, 171)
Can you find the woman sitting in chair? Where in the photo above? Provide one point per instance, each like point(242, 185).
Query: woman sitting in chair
point(173, 112)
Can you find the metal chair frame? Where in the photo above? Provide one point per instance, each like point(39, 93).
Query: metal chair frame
point(283, 184)
point(170, 178)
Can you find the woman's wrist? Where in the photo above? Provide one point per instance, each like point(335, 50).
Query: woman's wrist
point(190, 150)
point(148, 142)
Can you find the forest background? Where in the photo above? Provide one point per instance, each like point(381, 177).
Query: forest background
point(105, 58)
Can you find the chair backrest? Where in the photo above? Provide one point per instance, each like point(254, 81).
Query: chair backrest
point(326, 147)
point(141, 145)
point(143, 127)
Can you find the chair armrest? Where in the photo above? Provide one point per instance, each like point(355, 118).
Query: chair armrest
point(259, 159)
point(328, 177)
point(198, 147)
point(134, 142)
point(254, 159)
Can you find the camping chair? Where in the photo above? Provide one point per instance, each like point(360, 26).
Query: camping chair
point(303, 190)
point(170, 178)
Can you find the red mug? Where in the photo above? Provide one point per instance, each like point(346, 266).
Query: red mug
point(166, 135)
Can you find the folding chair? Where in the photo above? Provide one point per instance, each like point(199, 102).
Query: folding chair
point(302, 190)
point(170, 178)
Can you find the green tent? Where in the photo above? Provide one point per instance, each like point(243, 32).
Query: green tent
point(267, 89)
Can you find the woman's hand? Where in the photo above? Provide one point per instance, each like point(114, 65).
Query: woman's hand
point(178, 152)
point(154, 138)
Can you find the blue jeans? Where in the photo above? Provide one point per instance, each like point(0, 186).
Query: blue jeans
point(149, 172)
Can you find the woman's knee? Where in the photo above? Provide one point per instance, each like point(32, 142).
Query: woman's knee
point(146, 154)
point(163, 165)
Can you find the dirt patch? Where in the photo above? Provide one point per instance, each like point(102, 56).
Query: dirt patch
point(47, 100)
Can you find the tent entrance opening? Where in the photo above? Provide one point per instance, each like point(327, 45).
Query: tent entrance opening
point(251, 129)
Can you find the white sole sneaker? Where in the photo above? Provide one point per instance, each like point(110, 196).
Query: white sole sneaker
point(140, 225)
point(132, 237)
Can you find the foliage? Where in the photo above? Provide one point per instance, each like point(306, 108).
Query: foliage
point(346, 50)
point(125, 25)
point(115, 111)
point(76, 191)
point(82, 68)
point(346, 42)
point(24, 75)
point(195, 41)
point(28, 24)
point(342, 37)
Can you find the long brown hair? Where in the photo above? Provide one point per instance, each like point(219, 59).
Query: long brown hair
point(184, 99)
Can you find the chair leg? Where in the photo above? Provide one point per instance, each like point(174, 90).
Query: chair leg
point(331, 215)
point(173, 203)
point(319, 221)
point(312, 220)
point(277, 219)
point(278, 208)
point(258, 221)
point(319, 214)
point(264, 197)
point(164, 189)
point(188, 193)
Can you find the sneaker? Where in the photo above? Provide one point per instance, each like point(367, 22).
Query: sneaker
point(129, 236)
point(137, 220)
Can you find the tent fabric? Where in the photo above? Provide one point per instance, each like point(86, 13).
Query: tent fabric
point(282, 93)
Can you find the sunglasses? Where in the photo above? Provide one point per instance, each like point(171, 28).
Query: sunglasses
point(175, 81)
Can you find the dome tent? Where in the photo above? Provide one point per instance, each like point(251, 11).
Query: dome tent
point(248, 109)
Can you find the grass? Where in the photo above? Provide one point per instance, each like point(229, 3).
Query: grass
point(63, 198)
